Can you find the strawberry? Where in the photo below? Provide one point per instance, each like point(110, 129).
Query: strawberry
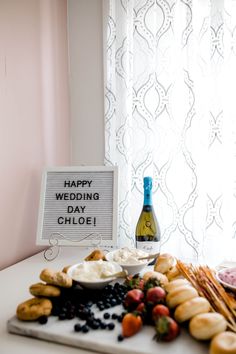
point(133, 298)
point(141, 310)
point(131, 324)
point(134, 282)
point(151, 283)
point(159, 310)
point(155, 295)
point(166, 329)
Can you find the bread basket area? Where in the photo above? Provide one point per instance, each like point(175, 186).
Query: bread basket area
point(168, 305)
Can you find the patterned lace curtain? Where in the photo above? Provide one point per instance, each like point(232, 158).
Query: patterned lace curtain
point(170, 113)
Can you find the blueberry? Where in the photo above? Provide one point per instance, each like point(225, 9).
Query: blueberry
point(43, 319)
point(95, 325)
point(113, 302)
point(108, 288)
point(106, 315)
point(111, 326)
point(114, 316)
point(118, 300)
point(119, 318)
point(120, 338)
point(103, 325)
point(62, 316)
point(84, 329)
point(81, 306)
point(84, 314)
point(70, 315)
point(77, 327)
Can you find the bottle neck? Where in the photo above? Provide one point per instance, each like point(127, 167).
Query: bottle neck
point(147, 197)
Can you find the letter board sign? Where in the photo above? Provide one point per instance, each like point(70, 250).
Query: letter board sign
point(78, 206)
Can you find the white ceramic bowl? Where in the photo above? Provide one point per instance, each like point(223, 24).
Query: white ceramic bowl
point(92, 284)
point(224, 282)
point(130, 268)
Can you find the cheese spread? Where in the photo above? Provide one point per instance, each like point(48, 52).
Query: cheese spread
point(93, 271)
point(129, 256)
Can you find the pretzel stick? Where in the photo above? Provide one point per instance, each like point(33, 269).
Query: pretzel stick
point(203, 279)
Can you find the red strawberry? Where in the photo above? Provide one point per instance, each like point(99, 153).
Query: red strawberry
point(166, 329)
point(141, 307)
point(133, 298)
point(134, 282)
point(155, 295)
point(141, 310)
point(131, 324)
point(159, 310)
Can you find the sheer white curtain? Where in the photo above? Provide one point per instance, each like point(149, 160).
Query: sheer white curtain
point(170, 112)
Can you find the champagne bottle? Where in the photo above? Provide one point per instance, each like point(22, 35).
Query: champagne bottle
point(147, 232)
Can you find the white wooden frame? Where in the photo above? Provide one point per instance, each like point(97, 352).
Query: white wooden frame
point(49, 234)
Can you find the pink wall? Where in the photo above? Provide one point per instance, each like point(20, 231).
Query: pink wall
point(34, 114)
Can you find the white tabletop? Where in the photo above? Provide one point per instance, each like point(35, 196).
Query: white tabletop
point(15, 282)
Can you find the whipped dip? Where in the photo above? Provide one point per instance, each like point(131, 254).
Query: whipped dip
point(129, 256)
point(93, 271)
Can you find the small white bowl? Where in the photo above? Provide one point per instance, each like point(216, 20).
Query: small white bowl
point(92, 284)
point(130, 268)
point(224, 283)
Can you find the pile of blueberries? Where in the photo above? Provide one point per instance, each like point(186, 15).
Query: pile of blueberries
point(79, 303)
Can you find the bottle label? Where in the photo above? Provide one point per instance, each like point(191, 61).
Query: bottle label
point(148, 246)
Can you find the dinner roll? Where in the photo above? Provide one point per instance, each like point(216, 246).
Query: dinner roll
point(206, 325)
point(223, 343)
point(180, 295)
point(174, 273)
point(190, 308)
point(159, 276)
point(164, 263)
point(174, 284)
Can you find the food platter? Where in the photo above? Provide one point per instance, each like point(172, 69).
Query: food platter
point(126, 316)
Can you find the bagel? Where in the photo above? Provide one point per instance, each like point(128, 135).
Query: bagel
point(40, 289)
point(174, 284)
point(180, 295)
point(164, 263)
point(34, 308)
point(223, 343)
point(206, 325)
point(56, 278)
point(190, 308)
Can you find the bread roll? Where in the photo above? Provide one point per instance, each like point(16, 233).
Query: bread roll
point(164, 263)
point(190, 308)
point(174, 284)
point(180, 295)
point(223, 343)
point(206, 325)
point(159, 276)
point(96, 255)
point(174, 273)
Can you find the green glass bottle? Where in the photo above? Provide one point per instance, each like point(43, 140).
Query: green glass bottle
point(147, 234)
